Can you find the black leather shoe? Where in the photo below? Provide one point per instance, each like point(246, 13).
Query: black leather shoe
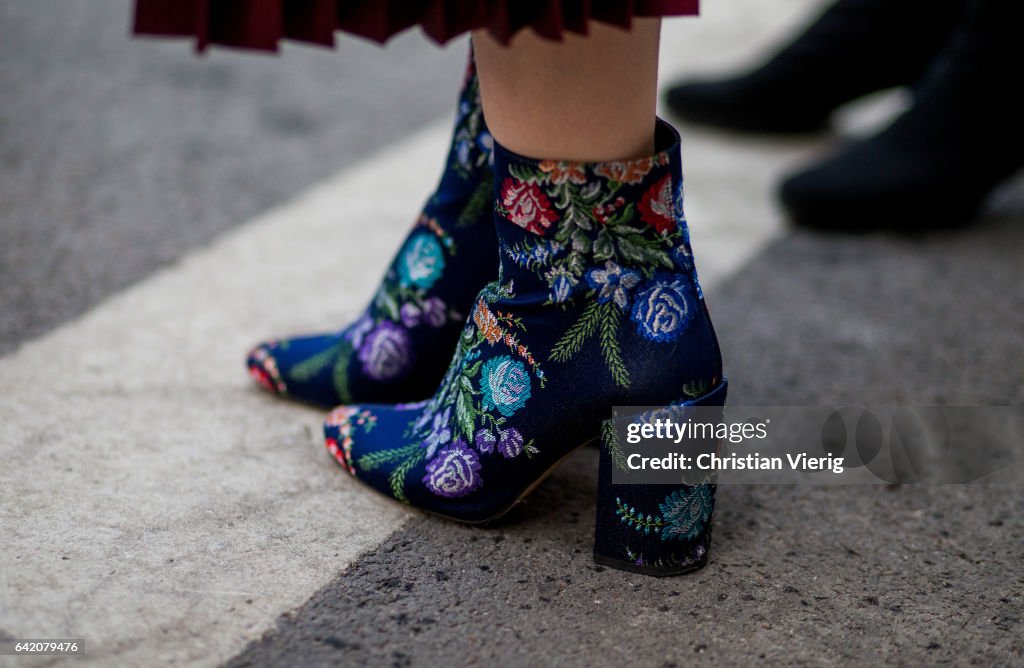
point(854, 48)
point(936, 163)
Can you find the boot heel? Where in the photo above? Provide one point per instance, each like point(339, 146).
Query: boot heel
point(652, 529)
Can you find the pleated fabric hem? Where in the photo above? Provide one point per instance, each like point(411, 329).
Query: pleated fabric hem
point(262, 24)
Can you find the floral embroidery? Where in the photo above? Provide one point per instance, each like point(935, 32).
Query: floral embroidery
point(454, 472)
point(421, 261)
point(410, 315)
point(346, 419)
point(505, 385)
point(468, 416)
point(484, 441)
point(663, 308)
point(510, 443)
point(385, 352)
point(491, 329)
point(472, 144)
point(604, 243)
point(631, 518)
point(560, 172)
point(630, 172)
point(613, 283)
point(263, 369)
point(657, 206)
point(435, 312)
point(439, 432)
point(610, 233)
point(358, 331)
point(683, 514)
point(526, 206)
point(561, 282)
point(486, 323)
point(686, 511)
point(695, 557)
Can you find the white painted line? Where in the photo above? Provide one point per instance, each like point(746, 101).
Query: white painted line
point(154, 502)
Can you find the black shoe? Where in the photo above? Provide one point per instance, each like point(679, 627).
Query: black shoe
point(936, 163)
point(854, 48)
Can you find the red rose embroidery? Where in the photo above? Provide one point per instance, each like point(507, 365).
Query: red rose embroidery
point(526, 206)
point(657, 206)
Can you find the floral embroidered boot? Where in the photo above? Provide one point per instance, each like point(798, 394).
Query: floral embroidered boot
point(596, 304)
point(398, 349)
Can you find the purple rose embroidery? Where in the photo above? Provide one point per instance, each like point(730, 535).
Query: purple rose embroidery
point(434, 312)
point(410, 315)
point(510, 443)
point(484, 441)
point(454, 472)
point(385, 352)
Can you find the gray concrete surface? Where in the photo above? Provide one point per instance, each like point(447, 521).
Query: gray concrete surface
point(118, 155)
point(917, 576)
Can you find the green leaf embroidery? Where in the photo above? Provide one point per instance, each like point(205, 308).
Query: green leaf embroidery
point(610, 343)
point(309, 367)
point(634, 246)
point(464, 413)
point(584, 328)
point(696, 388)
point(480, 202)
point(604, 249)
point(580, 242)
point(637, 520)
point(610, 440)
point(372, 460)
point(340, 375)
point(386, 302)
point(397, 477)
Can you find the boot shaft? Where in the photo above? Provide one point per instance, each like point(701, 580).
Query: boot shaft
point(470, 155)
point(598, 254)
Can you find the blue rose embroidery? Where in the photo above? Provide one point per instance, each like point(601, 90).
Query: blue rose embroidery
point(421, 261)
point(505, 384)
point(664, 307)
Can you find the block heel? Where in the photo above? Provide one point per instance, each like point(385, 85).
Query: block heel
point(652, 529)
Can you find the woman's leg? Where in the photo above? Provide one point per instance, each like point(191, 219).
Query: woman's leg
point(587, 98)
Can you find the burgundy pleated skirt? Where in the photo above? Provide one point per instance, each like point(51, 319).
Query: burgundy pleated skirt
point(261, 24)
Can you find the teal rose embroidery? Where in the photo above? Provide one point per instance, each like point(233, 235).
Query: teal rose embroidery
point(505, 385)
point(421, 261)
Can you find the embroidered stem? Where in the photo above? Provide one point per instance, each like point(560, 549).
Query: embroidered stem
point(630, 517)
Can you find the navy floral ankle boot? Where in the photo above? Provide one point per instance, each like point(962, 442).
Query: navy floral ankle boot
point(393, 351)
point(596, 304)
